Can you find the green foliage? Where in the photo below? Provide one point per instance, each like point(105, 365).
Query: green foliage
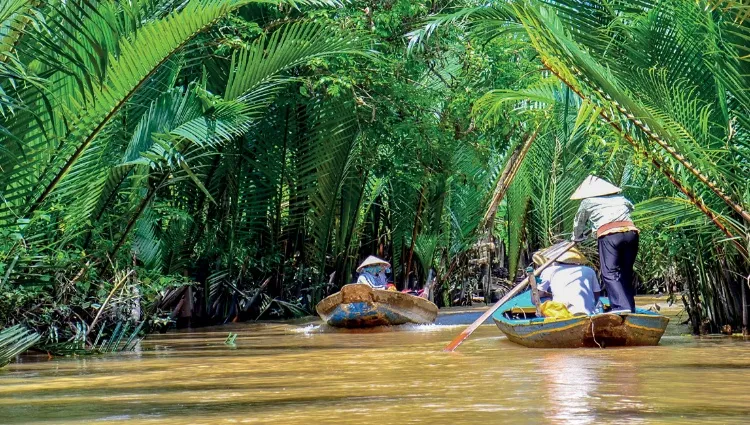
point(228, 142)
point(238, 158)
point(669, 79)
point(129, 151)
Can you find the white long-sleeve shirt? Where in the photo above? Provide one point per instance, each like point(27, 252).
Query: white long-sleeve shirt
point(599, 211)
point(573, 285)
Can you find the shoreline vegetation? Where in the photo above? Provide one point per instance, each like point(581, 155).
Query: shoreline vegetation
point(191, 163)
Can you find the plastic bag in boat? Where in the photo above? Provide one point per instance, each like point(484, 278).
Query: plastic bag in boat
point(554, 310)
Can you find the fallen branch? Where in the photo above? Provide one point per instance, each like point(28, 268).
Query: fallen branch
point(106, 301)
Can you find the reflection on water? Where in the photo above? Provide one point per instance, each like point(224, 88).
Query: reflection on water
point(569, 384)
point(308, 374)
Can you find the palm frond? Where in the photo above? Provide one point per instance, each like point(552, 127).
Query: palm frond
point(14, 341)
point(489, 20)
point(256, 72)
point(327, 160)
point(138, 59)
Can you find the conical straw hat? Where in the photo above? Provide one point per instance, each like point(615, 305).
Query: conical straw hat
point(372, 261)
point(594, 186)
point(571, 256)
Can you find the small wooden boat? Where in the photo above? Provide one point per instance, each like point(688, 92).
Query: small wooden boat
point(359, 306)
point(517, 319)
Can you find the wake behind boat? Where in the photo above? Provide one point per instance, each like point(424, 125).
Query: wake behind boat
point(359, 306)
point(517, 320)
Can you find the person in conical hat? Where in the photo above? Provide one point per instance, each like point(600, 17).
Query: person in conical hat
point(373, 271)
point(569, 281)
point(606, 213)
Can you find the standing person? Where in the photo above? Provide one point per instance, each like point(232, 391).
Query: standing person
point(372, 271)
point(608, 214)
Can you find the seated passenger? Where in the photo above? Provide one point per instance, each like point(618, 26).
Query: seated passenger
point(570, 282)
point(372, 272)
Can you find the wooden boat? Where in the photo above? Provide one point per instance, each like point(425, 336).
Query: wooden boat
point(517, 319)
point(359, 306)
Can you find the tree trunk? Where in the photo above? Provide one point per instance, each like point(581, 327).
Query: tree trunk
point(414, 231)
point(744, 306)
point(429, 285)
point(506, 178)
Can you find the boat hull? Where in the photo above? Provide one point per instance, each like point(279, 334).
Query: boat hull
point(360, 306)
point(602, 330)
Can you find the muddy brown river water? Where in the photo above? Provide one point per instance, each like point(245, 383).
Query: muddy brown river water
point(304, 373)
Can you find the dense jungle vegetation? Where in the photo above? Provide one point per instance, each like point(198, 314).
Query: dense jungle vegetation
point(224, 160)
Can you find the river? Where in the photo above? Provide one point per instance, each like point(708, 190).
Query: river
point(303, 373)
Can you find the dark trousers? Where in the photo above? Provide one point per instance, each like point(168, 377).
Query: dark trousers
point(617, 253)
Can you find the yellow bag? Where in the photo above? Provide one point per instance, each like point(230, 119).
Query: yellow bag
point(554, 310)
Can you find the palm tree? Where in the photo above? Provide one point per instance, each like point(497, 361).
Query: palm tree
point(128, 119)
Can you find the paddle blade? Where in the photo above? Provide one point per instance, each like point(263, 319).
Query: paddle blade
point(468, 331)
point(457, 340)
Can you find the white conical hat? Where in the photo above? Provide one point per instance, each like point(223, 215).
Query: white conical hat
point(594, 186)
point(371, 261)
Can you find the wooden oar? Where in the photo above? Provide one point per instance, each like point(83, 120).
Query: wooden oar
point(513, 292)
